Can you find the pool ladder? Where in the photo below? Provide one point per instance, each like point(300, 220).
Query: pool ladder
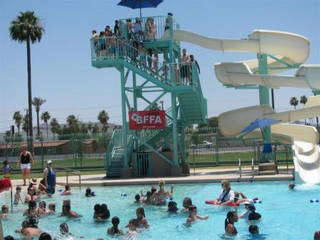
point(252, 170)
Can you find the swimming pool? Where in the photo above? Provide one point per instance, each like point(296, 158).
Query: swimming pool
point(285, 214)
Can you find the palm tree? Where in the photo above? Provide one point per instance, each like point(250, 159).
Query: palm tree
point(25, 124)
point(37, 102)
point(45, 117)
point(294, 102)
point(55, 126)
point(17, 117)
point(73, 123)
point(304, 100)
point(103, 118)
point(27, 28)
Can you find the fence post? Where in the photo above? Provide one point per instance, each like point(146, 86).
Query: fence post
point(240, 170)
point(42, 157)
point(217, 150)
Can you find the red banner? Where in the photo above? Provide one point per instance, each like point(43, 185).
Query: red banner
point(139, 120)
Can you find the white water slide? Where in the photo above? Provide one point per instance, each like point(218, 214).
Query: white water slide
point(288, 50)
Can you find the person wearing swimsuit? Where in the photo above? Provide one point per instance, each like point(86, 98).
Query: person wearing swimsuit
point(49, 176)
point(25, 162)
point(229, 227)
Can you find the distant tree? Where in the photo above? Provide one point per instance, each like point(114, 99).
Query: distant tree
point(45, 117)
point(55, 126)
point(37, 102)
point(95, 129)
point(213, 122)
point(17, 117)
point(103, 118)
point(73, 124)
point(304, 100)
point(294, 102)
point(90, 126)
point(25, 124)
point(195, 138)
point(84, 128)
point(27, 28)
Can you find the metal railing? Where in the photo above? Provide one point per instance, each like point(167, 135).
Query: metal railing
point(68, 172)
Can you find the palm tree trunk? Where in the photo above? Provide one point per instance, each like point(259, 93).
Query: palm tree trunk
point(29, 95)
point(38, 124)
point(47, 130)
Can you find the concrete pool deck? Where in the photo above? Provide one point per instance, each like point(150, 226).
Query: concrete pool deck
point(197, 176)
point(210, 175)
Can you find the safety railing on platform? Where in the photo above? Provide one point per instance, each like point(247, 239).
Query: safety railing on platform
point(146, 28)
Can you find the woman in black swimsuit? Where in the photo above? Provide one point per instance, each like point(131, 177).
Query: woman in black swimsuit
point(25, 162)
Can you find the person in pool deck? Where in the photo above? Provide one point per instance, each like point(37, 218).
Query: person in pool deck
point(66, 210)
point(114, 229)
point(25, 162)
point(6, 169)
point(17, 196)
point(67, 190)
point(253, 229)
point(187, 202)
point(4, 211)
point(229, 227)
point(141, 218)
point(227, 195)
point(194, 216)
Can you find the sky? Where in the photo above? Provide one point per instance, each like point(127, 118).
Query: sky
point(61, 67)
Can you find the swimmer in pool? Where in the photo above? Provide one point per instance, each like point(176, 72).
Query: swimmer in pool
point(253, 229)
point(141, 218)
point(187, 202)
point(162, 194)
point(115, 229)
point(229, 227)
point(194, 216)
point(227, 195)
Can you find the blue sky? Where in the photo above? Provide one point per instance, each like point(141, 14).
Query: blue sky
point(61, 69)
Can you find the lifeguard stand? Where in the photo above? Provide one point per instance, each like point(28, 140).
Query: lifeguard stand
point(150, 152)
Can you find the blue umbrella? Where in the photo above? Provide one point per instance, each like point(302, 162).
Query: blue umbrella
point(259, 123)
point(134, 4)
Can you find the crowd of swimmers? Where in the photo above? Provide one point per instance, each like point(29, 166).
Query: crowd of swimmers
point(156, 197)
point(107, 42)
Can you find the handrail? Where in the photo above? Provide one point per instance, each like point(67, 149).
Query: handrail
point(70, 171)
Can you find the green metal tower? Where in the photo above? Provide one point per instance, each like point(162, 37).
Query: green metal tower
point(145, 82)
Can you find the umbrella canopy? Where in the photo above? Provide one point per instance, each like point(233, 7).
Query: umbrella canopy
point(134, 4)
point(259, 123)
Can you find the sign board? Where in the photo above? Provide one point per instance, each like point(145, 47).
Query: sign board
point(139, 120)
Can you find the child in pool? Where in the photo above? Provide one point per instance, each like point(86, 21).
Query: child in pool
point(17, 196)
point(4, 211)
point(132, 233)
point(114, 229)
point(67, 190)
point(194, 216)
point(172, 207)
point(141, 218)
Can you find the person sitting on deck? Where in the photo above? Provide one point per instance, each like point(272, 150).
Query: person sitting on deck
point(227, 195)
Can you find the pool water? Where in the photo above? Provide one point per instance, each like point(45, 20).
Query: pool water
point(285, 214)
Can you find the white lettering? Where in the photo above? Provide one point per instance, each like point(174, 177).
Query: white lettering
point(151, 119)
point(158, 120)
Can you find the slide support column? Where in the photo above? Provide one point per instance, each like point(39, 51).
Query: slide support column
point(264, 99)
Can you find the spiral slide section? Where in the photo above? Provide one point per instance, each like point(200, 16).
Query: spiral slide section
point(287, 49)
